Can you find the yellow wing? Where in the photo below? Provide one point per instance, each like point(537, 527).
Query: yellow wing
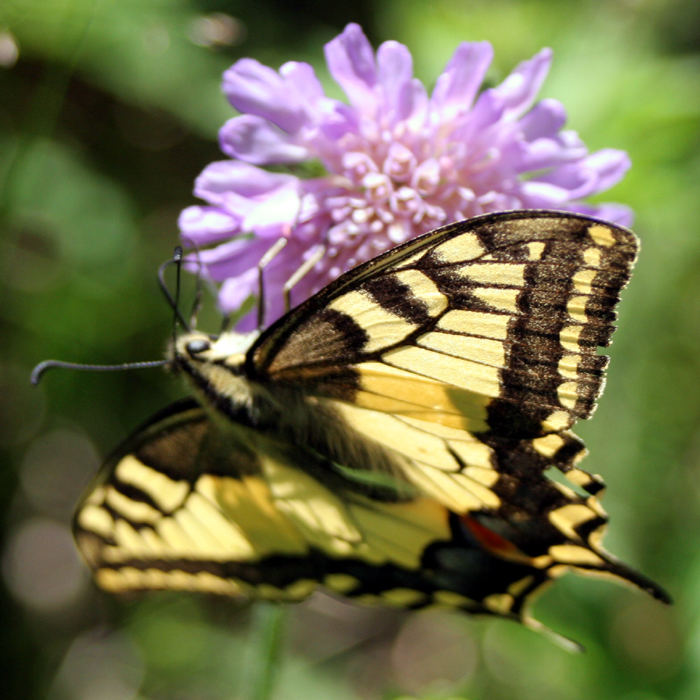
point(488, 324)
point(184, 506)
point(410, 412)
point(465, 355)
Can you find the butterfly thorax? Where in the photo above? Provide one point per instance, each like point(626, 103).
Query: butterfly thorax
point(217, 370)
point(244, 405)
point(213, 367)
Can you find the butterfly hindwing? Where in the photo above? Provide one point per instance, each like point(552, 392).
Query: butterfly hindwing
point(182, 505)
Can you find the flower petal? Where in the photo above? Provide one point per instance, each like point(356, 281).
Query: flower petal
point(475, 125)
point(257, 89)
point(416, 106)
point(224, 179)
point(519, 89)
point(608, 211)
point(546, 153)
point(459, 83)
point(595, 173)
point(610, 165)
point(351, 64)
point(204, 225)
point(426, 176)
point(255, 140)
point(276, 215)
point(544, 119)
point(543, 195)
point(235, 290)
point(232, 258)
point(395, 74)
point(302, 77)
point(336, 119)
point(400, 163)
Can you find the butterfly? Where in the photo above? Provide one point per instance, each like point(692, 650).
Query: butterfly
point(391, 439)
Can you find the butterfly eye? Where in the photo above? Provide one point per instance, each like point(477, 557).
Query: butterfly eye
point(194, 347)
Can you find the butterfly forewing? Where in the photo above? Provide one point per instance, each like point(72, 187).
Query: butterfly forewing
point(506, 310)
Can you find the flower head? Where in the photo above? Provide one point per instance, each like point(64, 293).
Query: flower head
point(396, 162)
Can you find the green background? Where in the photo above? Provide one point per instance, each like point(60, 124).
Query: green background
point(107, 115)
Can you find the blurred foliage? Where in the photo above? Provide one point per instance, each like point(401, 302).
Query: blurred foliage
point(109, 111)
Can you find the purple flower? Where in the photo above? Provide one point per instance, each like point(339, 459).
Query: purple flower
point(394, 162)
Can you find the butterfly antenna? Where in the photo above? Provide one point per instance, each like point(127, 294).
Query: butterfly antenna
point(42, 367)
point(177, 259)
point(303, 270)
point(173, 303)
point(199, 288)
point(266, 259)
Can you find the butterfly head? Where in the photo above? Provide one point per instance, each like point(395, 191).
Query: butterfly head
point(213, 365)
point(197, 349)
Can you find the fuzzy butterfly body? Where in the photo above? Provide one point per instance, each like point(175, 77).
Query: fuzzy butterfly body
point(387, 439)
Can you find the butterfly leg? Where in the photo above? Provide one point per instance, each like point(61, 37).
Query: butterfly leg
point(303, 270)
point(270, 254)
